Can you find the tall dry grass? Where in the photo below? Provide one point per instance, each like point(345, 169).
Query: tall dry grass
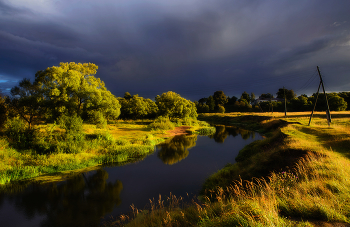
point(315, 192)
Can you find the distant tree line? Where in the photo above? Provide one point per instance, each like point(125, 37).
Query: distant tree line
point(219, 102)
point(72, 90)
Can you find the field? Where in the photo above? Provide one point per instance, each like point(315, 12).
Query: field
point(298, 176)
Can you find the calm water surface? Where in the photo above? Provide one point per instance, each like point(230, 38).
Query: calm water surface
point(179, 167)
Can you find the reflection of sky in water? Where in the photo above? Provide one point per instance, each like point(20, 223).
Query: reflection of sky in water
point(181, 169)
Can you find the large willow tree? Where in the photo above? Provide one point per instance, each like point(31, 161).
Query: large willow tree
point(72, 88)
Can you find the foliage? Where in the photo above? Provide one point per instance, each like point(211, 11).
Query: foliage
point(203, 100)
point(136, 107)
point(20, 136)
point(211, 103)
point(242, 106)
point(301, 103)
point(232, 100)
point(72, 88)
point(161, 123)
point(246, 96)
point(346, 97)
point(74, 137)
point(3, 110)
point(172, 105)
point(266, 96)
point(219, 98)
point(202, 107)
point(288, 93)
point(336, 103)
point(27, 100)
point(221, 109)
point(252, 97)
point(98, 119)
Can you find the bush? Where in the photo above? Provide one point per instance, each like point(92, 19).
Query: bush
point(73, 126)
point(161, 123)
point(74, 137)
point(98, 119)
point(221, 109)
point(19, 135)
point(106, 139)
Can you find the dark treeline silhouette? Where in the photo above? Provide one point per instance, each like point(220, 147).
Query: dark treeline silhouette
point(219, 102)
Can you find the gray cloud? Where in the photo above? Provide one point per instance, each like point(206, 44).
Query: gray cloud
point(191, 47)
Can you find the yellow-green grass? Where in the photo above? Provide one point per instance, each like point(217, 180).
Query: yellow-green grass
point(313, 191)
point(121, 142)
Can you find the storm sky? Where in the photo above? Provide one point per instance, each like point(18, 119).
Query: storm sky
point(191, 47)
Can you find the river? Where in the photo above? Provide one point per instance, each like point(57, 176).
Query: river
point(178, 167)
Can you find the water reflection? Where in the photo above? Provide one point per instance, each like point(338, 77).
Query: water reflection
point(176, 149)
point(81, 200)
point(222, 132)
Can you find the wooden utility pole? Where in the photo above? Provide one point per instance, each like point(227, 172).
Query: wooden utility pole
point(329, 120)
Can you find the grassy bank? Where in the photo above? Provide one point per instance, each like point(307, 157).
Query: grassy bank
point(51, 151)
point(298, 176)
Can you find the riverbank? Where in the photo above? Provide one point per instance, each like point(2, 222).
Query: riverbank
point(297, 176)
point(53, 158)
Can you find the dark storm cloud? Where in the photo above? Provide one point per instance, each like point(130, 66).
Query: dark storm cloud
point(191, 47)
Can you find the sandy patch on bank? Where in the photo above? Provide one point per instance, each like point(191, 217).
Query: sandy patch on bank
point(178, 131)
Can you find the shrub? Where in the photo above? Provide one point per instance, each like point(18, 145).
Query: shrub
point(221, 109)
point(74, 137)
point(20, 136)
point(98, 119)
point(73, 126)
point(106, 139)
point(161, 123)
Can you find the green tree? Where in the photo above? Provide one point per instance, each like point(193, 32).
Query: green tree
point(127, 96)
point(266, 96)
point(219, 98)
point(172, 105)
point(26, 100)
point(301, 103)
point(3, 110)
point(72, 88)
point(289, 94)
point(246, 97)
point(336, 103)
point(211, 103)
point(346, 97)
point(232, 100)
point(252, 97)
point(137, 107)
point(202, 107)
point(203, 100)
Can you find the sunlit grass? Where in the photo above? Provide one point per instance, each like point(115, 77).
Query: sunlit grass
point(121, 141)
point(313, 191)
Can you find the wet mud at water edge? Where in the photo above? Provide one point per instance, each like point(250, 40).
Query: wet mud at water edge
point(178, 167)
